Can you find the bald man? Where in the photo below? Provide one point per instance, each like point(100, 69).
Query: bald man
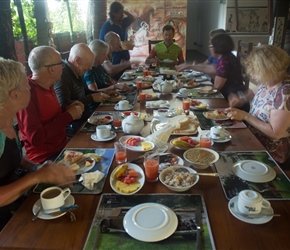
point(71, 86)
point(43, 129)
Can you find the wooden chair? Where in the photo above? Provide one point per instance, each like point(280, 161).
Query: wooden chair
point(244, 48)
point(153, 42)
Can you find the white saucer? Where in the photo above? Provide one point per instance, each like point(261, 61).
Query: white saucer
point(227, 137)
point(95, 137)
point(150, 222)
point(68, 202)
point(117, 107)
point(254, 171)
point(233, 207)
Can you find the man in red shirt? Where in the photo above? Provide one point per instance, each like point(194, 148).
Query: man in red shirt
point(43, 123)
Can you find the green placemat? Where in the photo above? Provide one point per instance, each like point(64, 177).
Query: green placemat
point(183, 205)
point(232, 184)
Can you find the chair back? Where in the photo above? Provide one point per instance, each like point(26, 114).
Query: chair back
point(244, 48)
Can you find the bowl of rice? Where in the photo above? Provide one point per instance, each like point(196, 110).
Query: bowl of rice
point(201, 158)
point(178, 178)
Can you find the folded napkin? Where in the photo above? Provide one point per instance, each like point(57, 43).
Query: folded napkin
point(89, 179)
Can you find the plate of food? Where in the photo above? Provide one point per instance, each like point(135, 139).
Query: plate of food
point(201, 78)
point(168, 159)
point(127, 179)
point(217, 115)
point(157, 104)
point(115, 97)
point(186, 142)
point(145, 79)
point(100, 119)
point(128, 78)
point(78, 162)
point(198, 105)
point(191, 84)
point(207, 90)
point(136, 143)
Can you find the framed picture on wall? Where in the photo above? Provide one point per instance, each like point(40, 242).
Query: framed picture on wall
point(247, 19)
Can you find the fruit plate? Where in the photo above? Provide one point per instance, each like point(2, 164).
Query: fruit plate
point(141, 179)
point(168, 159)
point(193, 138)
point(100, 119)
point(138, 147)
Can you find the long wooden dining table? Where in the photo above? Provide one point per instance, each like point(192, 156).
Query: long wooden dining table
point(228, 232)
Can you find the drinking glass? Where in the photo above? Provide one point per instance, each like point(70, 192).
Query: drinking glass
point(151, 165)
point(117, 120)
point(204, 141)
point(186, 105)
point(142, 97)
point(139, 85)
point(120, 153)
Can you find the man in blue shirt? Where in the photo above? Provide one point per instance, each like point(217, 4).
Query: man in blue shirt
point(119, 24)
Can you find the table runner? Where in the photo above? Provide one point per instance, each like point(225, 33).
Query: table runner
point(115, 207)
point(206, 124)
point(194, 94)
point(232, 184)
point(103, 166)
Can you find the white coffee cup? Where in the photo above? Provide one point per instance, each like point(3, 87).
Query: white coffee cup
point(124, 104)
point(103, 131)
point(251, 202)
point(53, 197)
point(183, 92)
point(127, 75)
point(217, 132)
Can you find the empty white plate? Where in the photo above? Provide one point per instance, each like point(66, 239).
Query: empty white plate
point(254, 171)
point(150, 222)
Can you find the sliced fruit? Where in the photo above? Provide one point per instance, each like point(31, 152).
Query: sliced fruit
point(146, 145)
point(181, 144)
point(127, 188)
point(122, 169)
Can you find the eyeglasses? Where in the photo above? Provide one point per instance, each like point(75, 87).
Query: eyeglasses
point(54, 64)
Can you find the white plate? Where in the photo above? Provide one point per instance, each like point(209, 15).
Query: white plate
point(83, 168)
point(193, 138)
point(227, 137)
point(128, 78)
point(207, 93)
point(158, 126)
point(157, 104)
point(94, 137)
point(215, 119)
point(137, 148)
point(197, 108)
point(254, 171)
point(113, 181)
point(201, 78)
point(185, 85)
point(92, 118)
point(150, 222)
point(196, 73)
point(165, 164)
point(117, 107)
point(233, 207)
point(68, 202)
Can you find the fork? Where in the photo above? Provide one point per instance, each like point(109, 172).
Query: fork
point(99, 218)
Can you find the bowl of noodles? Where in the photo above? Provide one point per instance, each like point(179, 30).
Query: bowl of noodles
point(201, 158)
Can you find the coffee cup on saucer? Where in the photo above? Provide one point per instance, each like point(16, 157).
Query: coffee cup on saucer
point(217, 132)
point(251, 202)
point(123, 104)
point(54, 197)
point(127, 75)
point(103, 131)
point(183, 92)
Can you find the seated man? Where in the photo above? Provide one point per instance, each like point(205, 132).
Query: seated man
point(43, 122)
point(166, 50)
point(71, 86)
point(116, 69)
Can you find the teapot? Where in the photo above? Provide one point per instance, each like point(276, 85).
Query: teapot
point(164, 87)
point(132, 124)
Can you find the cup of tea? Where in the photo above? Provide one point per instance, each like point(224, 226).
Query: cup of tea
point(217, 132)
point(53, 197)
point(127, 75)
point(117, 120)
point(103, 131)
point(151, 165)
point(123, 104)
point(142, 97)
point(183, 92)
point(120, 153)
point(251, 202)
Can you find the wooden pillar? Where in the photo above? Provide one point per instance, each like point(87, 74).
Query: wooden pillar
point(280, 20)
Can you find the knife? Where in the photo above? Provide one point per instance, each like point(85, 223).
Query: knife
point(198, 228)
point(60, 209)
point(36, 214)
point(136, 159)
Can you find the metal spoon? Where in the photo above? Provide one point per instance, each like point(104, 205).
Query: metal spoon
point(203, 174)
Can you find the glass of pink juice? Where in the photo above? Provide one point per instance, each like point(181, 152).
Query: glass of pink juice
point(120, 153)
point(204, 142)
point(151, 165)
point(117, 120)
point(186, 105)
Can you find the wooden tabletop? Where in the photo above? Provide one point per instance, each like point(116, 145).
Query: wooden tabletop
point(228, 232)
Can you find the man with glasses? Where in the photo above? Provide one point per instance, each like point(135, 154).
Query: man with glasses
point(43, 122)
point(71, 86)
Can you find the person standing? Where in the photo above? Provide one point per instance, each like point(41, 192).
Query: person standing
point(42, 129)
point(119, 24)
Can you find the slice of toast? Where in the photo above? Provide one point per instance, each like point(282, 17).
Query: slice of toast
point(72, 156)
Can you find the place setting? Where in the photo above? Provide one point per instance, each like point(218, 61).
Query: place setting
point(219, 134)
point(128, 76)
point(123, 106)
point(103, 133)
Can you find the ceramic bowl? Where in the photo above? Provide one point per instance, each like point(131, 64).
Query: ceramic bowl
point(177, 188)
point(201, 158)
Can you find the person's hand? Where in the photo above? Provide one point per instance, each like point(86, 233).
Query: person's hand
point(235, 101)
point(182, 67)
point(57, 174)
point(100, 97)
point(236, 114)
point(122, 86)
point(75, 111)
point(110, 92)
point(78, 103)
